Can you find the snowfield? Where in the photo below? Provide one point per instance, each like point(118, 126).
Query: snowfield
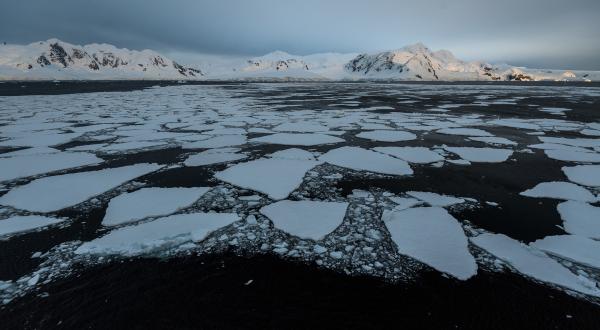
point(381, 180)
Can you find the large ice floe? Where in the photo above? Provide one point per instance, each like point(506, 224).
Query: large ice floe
point(481, 155)
point(164, 232)
point(560, 190)
point(298, 139)
point(20, 224)
point(27, 165)
point(306, 219)
point(534, 263)
point(149, 202)
point(58, 192)
point(417, 155)
point(432, 236)
point(580, 218)
point(571, 247)
point(366, 160)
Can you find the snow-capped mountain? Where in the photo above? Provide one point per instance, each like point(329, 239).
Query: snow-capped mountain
point(417, 62)
point(55, 59)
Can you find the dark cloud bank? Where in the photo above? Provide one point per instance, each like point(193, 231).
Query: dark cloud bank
point(535, 33)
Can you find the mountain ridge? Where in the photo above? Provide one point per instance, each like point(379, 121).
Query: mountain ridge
point(54, 59)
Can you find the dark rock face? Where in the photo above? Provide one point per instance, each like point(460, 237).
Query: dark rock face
point(43, 61)
point(58, 54)
point(519, 77)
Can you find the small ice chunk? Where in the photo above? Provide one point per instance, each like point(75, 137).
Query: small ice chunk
point(481, 155)
point(432, 236)
point(533, 263)
point(58, 192)
point(20, 224)
point(387, 136)
point(366, 160)
point(580, 218)
point(158, 234)
point(149, 202)
point(560, 190)
point(578, 249)
point(274, 177)
point(417, 155)
point(298, 139)
point(587, 175)
point(306, 219)
point(434, 199)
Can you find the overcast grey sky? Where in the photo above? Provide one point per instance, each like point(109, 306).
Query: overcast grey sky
point(560, 34)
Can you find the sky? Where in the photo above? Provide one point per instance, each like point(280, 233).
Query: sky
point(559, 34)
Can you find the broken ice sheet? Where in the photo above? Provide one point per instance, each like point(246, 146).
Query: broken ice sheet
point(19, 224)
point(481, 155)
point(417, 155)
point(23, 166)
point(366, 160)
point(298, 139)
point(578, 249)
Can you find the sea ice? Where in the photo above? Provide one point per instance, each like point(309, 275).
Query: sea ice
point(212, 156)
point(298, 139)
point(464, 131)
point(578, 249)
point(366, 160)
point(560, 190)
point(274, 177)
point(19, 224)
point(149, 202)
point(387, 136)
point(417, 155)
point(306, 219)
point(434, 199)
point(58, 192)
point(158, 234)
point(481, 155)
point(533, 263)
point(432, 236)
point(587, 175)
point(23, 166)
point(580, 218)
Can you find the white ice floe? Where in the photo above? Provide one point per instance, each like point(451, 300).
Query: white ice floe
point(387, 136)
point(20, 224)
point(560, 190)
point(274, 177)
point(434, 199)
point(58, 192)
point(366, 160)
point(533, 263)
point(292, 153)
point(298, 139)
point(573, 156)
point(555, 110)
point(576, 142)
point(404, 203)
point(493, 140)
point(217, 142)
point(578, 249)
point(23, 166)
point(580, 218)
point(464, 131)
point(481, 155)
point(417, 155)
point(587, 175)
point(304, 127)
point(432, 236)
point(306, 219)
point(213, 156)
point(158, 234)
point(149, 202)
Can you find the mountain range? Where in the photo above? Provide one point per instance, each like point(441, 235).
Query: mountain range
point(57, 60)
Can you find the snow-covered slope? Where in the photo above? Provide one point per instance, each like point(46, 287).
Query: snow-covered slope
point(55, 59)
point(417, 62)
